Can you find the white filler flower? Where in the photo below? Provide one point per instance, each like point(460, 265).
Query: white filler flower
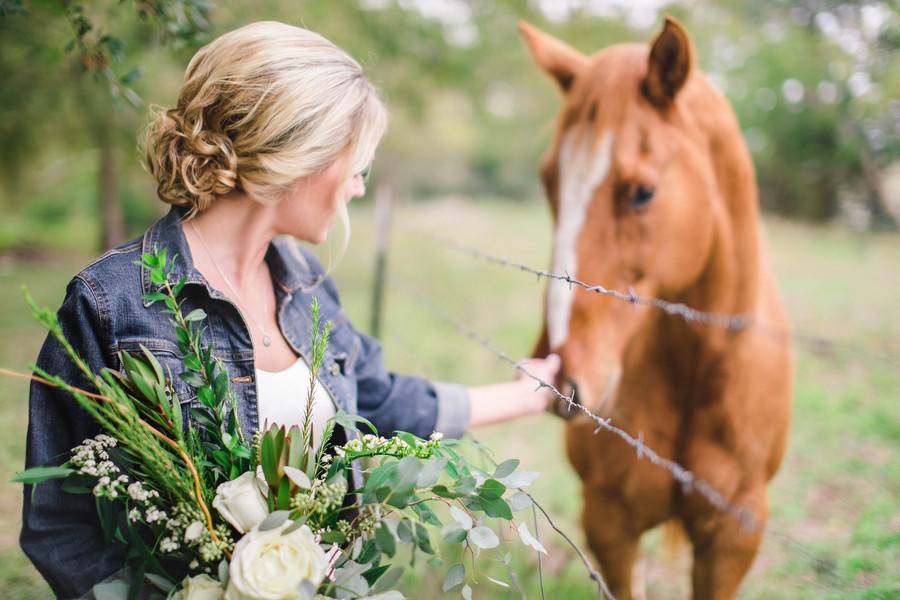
point(240, 502)
point(201, 587)
point(271, 564)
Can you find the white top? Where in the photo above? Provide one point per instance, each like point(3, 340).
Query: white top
point(281, 399)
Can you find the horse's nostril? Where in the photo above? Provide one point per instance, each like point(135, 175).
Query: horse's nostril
point(569, 388)
point(573, 389)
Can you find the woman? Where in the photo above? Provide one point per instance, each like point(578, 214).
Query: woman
point(270, 138)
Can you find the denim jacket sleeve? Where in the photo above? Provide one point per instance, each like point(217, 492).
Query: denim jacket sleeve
point(392, 401)
point(61, 533)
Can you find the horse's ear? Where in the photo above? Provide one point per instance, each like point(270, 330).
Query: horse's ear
point(553, 56)
point(670, 64)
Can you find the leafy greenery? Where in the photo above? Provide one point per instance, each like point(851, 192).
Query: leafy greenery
point(156, 475)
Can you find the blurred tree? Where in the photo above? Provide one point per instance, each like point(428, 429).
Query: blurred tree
point(66, 52)
point(813, 83)
point(817, 93)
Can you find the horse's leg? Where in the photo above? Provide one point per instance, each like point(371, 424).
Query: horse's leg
point(724, 547)
point(613, 541)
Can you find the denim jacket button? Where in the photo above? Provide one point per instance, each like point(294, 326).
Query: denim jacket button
point(335, 369)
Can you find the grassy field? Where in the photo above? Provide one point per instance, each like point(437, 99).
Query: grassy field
point(835, 525)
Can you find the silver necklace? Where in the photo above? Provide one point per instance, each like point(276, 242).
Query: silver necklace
point(266, 339)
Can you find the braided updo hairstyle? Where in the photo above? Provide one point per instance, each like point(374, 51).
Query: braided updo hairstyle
point(260, 108)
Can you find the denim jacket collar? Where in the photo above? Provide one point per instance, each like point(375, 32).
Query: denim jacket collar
point(287, 265)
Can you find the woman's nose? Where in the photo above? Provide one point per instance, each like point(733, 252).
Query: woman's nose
point(357, 187)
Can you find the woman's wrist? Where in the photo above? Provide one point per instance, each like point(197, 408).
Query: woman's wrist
point(504, 401)
point(518, 398)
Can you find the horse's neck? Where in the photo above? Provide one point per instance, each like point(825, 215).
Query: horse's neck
point(731, 280)
point(730, 283)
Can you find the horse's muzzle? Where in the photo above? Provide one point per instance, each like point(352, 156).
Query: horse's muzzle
point(560, 407)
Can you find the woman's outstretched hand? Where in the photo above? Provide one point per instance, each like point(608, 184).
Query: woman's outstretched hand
point(518, 398)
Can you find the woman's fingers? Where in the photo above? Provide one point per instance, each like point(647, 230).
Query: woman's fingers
point(544, 369)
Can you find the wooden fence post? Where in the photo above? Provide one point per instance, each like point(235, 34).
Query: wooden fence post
point(383, 199)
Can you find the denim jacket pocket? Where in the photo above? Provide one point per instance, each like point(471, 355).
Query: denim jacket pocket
point(170, 359)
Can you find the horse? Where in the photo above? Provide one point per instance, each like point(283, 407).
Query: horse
point(652, 189)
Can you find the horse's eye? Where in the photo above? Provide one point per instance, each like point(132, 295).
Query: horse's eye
point(641, 197)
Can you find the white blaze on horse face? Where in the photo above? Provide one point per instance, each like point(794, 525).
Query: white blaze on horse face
point(582, 168)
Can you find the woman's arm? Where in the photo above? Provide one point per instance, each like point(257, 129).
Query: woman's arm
point(508, 400)
point(61, 532)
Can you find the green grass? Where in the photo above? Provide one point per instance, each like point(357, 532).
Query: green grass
point(835, 521)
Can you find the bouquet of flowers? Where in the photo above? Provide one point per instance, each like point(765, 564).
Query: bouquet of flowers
point(205, 513)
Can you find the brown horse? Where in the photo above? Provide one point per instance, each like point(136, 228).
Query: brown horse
point(652, 189)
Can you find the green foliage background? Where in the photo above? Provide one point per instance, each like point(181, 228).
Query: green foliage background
point(470, 114)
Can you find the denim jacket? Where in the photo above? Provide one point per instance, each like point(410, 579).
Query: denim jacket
point(104, 312)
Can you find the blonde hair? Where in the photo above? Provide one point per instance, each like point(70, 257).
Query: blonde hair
point(260, 108)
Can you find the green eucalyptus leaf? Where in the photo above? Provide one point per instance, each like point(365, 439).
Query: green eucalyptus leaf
point(161, 582)
point(297, 477)
point(426, 515)
point(385, 539)
point(423, 541)
point(519, 501)
point(455, 576)
point(400, 499)
point(453, 533)
point(443, 492)
point(380, 476)
point(491, 489)
point(462, 517)
point(274, 520)
point(497, 508)
point(431, 472)
point(520, 479)
point(373, 574)
point(334, 536)
point(506, 468)
point(349, 421)
point(368, 553)
point(389, 579)
point(404, 531)
point(483, 537)
point(465, 485)
point(408, 470)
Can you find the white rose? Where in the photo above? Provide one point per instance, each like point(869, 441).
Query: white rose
point(271, 565)
point(240, 502)
point(201, 587)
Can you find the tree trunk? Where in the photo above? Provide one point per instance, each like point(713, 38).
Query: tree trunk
point(112, 223)
point(875, 196)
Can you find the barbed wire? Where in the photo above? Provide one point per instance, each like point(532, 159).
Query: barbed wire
point(688, 481)
point(689, 314)
point(815, 344)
